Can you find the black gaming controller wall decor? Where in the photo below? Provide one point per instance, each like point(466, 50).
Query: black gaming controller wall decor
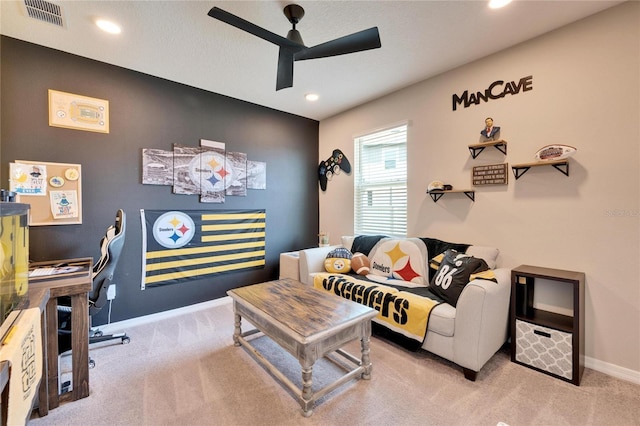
point(332, 166)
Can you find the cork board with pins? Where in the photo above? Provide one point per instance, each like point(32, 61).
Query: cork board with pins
point(53, 190)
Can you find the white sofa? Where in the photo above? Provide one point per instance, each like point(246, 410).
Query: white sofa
point(469, 334)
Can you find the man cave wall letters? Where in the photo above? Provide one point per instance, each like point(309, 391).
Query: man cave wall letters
point(496, 90)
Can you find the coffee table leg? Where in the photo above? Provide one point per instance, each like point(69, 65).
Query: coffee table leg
point(237, 329)
point(307, 394)
point(366, 360)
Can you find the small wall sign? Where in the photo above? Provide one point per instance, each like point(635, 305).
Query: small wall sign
point(490, 174)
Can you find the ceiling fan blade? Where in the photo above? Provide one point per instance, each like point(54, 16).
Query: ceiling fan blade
point(249, 27)
point(356, 42)
point(285, 68)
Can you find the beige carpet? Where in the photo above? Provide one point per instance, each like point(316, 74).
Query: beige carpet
point(186, 371)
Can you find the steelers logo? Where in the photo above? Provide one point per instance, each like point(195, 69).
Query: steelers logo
point(209, 171)
point(173, 229)
point(339, 264)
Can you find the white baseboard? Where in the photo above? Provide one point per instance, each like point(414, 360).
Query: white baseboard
point(592, 363)
point(612, 370)
point(114, 327)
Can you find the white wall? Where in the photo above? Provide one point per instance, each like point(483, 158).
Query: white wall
point(586, 93)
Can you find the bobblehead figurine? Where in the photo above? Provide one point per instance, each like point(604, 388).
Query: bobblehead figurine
point(490, 132)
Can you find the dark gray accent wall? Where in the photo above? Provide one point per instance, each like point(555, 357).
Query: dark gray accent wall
point(149, 112)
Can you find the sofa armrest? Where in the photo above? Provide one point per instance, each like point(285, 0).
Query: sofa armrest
point(482, 320)
point(312, 261)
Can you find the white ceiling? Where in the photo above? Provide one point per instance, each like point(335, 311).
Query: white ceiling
point(177, 41)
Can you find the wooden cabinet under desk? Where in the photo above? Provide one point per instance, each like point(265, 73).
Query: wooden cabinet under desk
point(76, 285)
point(542, 338)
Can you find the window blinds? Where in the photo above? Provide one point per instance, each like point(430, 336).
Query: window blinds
point(380, 192)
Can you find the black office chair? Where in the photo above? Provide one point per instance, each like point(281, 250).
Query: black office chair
point(103, 271)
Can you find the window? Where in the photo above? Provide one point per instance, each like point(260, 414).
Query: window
point(380, 176)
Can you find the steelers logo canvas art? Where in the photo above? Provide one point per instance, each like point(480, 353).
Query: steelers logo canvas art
point(210, 171)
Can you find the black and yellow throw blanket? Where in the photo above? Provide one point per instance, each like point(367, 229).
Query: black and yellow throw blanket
point(403, 315)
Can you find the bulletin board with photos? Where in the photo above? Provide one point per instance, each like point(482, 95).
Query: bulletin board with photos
point(53, 190)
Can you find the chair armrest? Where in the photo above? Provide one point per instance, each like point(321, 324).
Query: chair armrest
point(482, 320)
point(312, 261)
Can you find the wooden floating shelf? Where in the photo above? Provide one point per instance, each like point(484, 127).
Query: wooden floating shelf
point(437, 194)
point(476, 149)
point(560, 165)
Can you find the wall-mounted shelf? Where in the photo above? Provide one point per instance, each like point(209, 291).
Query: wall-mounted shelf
point(477, 148)
point(437, 194)
point(561, 165)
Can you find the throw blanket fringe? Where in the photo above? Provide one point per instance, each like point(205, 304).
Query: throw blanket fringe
point(399, 311)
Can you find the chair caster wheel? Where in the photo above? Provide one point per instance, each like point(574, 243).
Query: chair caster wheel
point(92, 363)
point(126, 340)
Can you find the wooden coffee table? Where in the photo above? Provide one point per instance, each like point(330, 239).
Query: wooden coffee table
point(308, 324)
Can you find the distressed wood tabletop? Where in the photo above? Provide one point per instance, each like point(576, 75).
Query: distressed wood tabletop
point(303, 309)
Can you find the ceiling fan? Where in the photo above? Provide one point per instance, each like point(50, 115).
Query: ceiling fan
point(292, 47)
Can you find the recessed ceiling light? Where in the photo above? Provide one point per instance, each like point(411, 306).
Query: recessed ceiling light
point(497, 4)
point(108, 26)
point(311, 97)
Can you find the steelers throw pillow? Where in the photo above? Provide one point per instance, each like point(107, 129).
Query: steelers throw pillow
point(455, 272)
point(338, 261)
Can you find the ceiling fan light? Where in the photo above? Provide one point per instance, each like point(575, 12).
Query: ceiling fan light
point(108, 26)
point(497, 4)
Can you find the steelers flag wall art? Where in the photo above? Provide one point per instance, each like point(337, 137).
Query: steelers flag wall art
point(178, 246)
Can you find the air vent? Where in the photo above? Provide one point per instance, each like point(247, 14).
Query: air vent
point(45, 11)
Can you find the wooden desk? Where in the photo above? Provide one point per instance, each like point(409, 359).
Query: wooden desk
point(76, 285)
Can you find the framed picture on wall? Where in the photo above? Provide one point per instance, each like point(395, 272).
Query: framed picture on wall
point(78, 112)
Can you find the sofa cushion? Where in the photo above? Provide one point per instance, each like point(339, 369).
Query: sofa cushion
point(488, 254)
point(454, 273)
point(442, 320)
point(400, 258)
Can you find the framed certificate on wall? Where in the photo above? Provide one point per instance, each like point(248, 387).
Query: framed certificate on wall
point(78, 112)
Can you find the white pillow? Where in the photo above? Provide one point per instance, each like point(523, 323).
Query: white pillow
point(347, 241)
point(488, 254)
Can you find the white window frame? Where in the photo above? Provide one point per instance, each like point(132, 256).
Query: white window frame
point(380, 192)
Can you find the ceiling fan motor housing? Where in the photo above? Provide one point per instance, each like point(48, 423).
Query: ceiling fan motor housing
point(294, 13)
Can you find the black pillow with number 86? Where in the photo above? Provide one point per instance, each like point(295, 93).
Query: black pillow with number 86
point(455, 271)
